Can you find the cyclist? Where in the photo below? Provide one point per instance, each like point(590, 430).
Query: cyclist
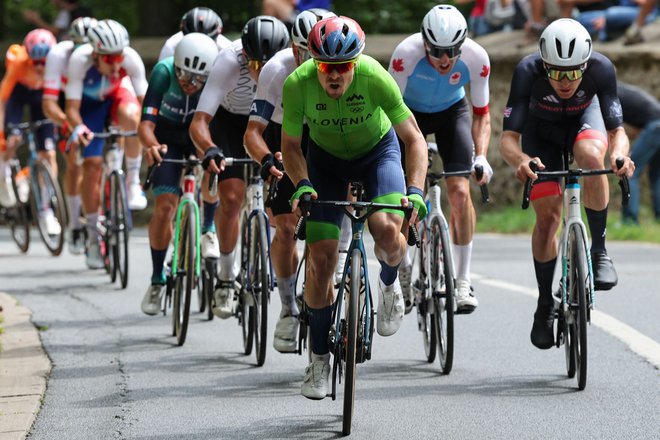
point(103, 79)
point(54, 80)
point(262, 142)
point(351, 105)
point(432, 69)
point(226, 99)
point(199, 19)
point(174, 88)
point(564, 97)
point(22, 85)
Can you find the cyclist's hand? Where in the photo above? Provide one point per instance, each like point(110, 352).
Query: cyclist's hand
point(523, 172)
point(214, 160)
point(627, 169)
point(155, 153)
point(488, 171)
point(81, 135)
point(272, 165)
point(415, 196)
point(303, 187)
point(14, 140)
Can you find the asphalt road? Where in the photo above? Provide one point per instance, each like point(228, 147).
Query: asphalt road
point(119, 374)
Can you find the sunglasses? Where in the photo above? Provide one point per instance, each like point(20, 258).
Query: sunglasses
point(438, 52)
point(256, 64)
point(39, 62)
point(339, 67)
point(113, 58)
point(571, 74)
point(189, 77)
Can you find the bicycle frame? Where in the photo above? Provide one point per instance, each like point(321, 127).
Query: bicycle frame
point(188, 197)
point(254, 208)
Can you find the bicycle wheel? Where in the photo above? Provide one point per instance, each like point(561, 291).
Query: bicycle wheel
point(185, 272)
point(205, 296)
point(442, 285)
point(18, 217)
point(245, 303)
point(578, 280)
point(106, 229)
point(119, 229)
point(352, 317)
point(260, 286)
point(47, 196)
point(424, 297)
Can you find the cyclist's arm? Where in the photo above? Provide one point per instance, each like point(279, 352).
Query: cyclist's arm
point(512, 153)
point(199, 131)
point(416, 151)
point(293, 158)
point(481, 133)
point(53, 111)
point(253, 140)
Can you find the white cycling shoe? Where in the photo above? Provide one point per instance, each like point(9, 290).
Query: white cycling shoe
point(465, 300)
point(137, 201)
point(405, 278)
point(52, 225)
point(94, 259)
point(315, 382)
point(7, 196)
point(390, 308)
point(225, 300)
point(152, 297)
point(210, 246)
point(286, 332)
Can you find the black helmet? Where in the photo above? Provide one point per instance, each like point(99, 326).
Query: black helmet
point(202, 20)
point(263, 36)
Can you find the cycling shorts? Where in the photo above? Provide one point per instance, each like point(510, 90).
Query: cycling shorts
point(167, 177)
point(227, 130)
point(379, 170)
point(20, 97)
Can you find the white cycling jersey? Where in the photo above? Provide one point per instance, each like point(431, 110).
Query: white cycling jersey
point(229, 83)
point(425, 90)
point(169, 46)
point(267, 104)
point(55, 70)
point(83, 79)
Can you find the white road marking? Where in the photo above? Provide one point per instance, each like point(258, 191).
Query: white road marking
point(636, 341)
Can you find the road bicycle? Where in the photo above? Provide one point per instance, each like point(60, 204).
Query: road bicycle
point(434, 265)
point(38, 195)
point(351, 336)
point(114, 221)
point(576, 281)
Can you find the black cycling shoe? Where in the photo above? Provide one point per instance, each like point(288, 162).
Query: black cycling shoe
point(605, 276)
point(543, 335)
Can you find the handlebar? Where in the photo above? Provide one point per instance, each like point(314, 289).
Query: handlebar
point(114, 133)
point(28, 126)
point(479, 172)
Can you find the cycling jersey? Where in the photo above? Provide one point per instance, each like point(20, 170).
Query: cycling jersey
point(532, 95)
point(18, 70)
point(425, 90)
point(56, 65)
point(639, 107)
point(267, 104)
point(165, 99)
point(230, 84)
point(169, 46)
point(348, 127)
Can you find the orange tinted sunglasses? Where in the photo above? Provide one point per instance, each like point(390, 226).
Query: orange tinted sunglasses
point(113, 59)
point(339, 67)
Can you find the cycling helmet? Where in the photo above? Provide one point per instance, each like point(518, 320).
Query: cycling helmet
point(79, 28)
point(195, 53)
point(565, 43)
point(202, 20)
point(444, 26)
point(38, 43)
point(263, 36)
point(336, 39)
point(304, 23)
point(108, 36)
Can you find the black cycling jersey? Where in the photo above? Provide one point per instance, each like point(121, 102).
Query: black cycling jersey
point(532, 95)
point(639, 107)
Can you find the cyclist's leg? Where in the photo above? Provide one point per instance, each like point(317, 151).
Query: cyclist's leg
point(13, 114)
point(44, 135)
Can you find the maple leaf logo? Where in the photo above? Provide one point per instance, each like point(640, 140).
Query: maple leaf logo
point(485, 70)
point(397, 65)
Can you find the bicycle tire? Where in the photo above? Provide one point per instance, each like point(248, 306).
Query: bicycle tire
point(352, 318)
point(19, 217)
point(105, 238)
point(206, 297)
point(260, 282)
point(246, 311)
point(578, 302)
point(185, 274)
point(442, 273)
point(424, 301)
point(43, 185)
point(119, 234)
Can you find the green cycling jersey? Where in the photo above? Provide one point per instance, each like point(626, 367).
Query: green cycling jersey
point(164, 97)
point(348, 127)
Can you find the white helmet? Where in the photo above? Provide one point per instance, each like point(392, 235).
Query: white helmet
point(304, 23)
point(195, 53)
point(565, 43)
point(108, 36)
point(79, 28)
point(444, 26)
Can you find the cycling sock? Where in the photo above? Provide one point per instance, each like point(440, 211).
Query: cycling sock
point(345, 235)
point(133, 169)
point(92, 232)
point(286, 288)
point(73, 203)
point(321, 357)
point(598, 227)
point(158, 260)
point(227, 266)
point(407, 257)
point(388, 274)
point(544, 273)
point(273, 230)
point(209, 216)
point(462, 257)
point(320, 321)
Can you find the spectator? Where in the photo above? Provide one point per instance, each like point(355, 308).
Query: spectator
point(642, 112)
point(488, 16)
point(287, 10)
point(67, 11)
point(648, 12)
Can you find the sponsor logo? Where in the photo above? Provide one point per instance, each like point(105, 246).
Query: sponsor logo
point(551, 98)
point(455, 78)
point(573, 201)
point(321, 107)
point(397, 65)
point(507, 112)
point(355, 96)
point(356, 109)
point(485, 70)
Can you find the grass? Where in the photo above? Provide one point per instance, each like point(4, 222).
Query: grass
point(514, 220)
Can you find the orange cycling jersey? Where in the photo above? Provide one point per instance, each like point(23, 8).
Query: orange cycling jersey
point(19, 70)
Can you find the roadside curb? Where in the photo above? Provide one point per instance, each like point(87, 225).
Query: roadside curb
point(24, 369)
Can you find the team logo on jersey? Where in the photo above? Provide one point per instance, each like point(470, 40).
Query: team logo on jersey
point(397, 65)
point(356, 109)
point(551, 98)
point(354, 97)
point(321, 107)
point(507, 112)
point(485, 70)
point(455, 78)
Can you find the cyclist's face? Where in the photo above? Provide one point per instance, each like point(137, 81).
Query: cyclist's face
point(565, 88)
point(443, 64)
point(109, 65)
point(39, 66)
point(336, 80)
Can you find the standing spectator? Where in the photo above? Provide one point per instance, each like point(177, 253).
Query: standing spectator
point(642, 112)
point(67, 11)
point(287, 10)
point(648, 12)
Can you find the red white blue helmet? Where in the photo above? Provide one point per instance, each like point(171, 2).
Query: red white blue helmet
point(336, 39)
point(79, 28)
point(38, 43)
point(108, 36)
